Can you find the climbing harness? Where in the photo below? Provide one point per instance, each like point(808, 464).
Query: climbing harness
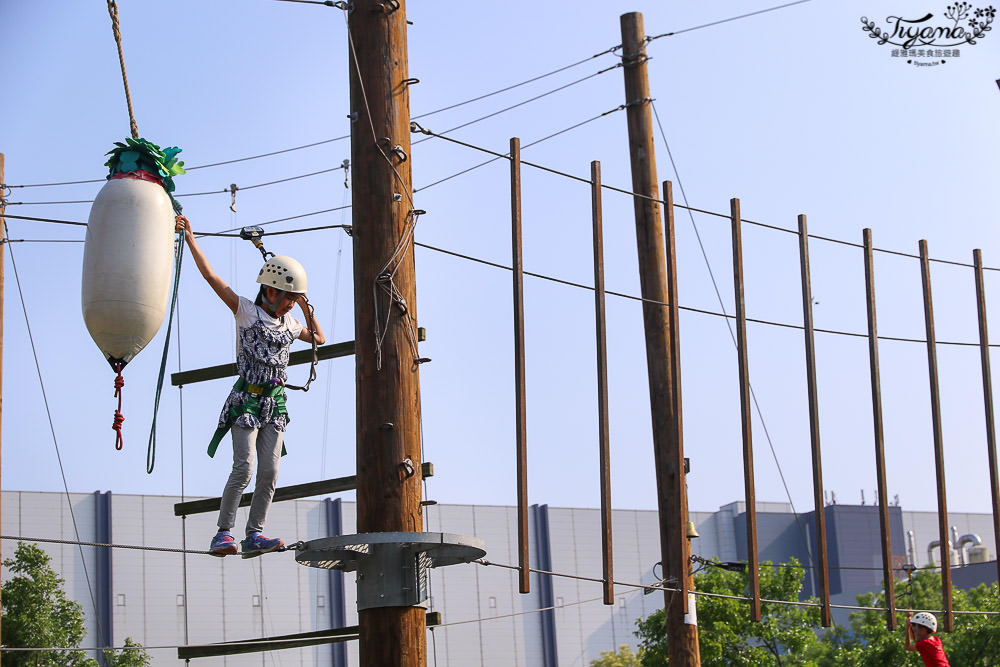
point(274, 390)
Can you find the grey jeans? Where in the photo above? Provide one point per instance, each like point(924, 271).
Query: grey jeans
point(264, 444)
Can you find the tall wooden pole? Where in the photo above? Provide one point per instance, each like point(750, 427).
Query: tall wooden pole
point(520, 402)
point(660, 352)
point(888, 578)
point(388, 398)
point(984, 351)
point(948, 622)
point(603, 429)
point(749, 487)
point(821, 561)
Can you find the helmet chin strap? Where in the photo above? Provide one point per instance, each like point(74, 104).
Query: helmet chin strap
point(270, 306)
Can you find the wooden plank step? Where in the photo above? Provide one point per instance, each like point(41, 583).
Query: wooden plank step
point(331, 351)
point(293, 492)
point(299, 640)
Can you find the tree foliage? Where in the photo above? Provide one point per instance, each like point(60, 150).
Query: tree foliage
point(623, 657)
point(787, 634)
point(974, 641)
point(37, 614)
point(727, 636)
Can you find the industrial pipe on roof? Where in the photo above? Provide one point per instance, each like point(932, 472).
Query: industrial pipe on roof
point(960, 546)
point(930, 550)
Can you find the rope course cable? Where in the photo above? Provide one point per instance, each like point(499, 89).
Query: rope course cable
point(541, 276)
point(658, 587)
point(449, 107)
point(690, 309)
point(199, 194)
point(116, 29)
point(136, 547)
point(416, 127)
point(520, 104)
point(728, 20)
point(518, 85)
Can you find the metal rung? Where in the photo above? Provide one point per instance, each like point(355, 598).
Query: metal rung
point(293, 492)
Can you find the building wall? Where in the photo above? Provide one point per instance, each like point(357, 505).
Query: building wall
point(486, 621)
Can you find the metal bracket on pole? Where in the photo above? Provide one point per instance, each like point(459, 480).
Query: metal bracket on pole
point(392, 567)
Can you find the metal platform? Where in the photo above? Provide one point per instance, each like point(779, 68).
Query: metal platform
point(392, 567)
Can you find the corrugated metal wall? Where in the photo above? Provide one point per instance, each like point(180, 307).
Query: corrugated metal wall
point(487, 622)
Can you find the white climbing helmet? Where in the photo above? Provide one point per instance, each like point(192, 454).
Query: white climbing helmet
point(284, 273)
point(925, 619)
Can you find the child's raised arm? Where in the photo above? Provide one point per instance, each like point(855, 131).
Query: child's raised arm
point(311, 331)
point(225, 293)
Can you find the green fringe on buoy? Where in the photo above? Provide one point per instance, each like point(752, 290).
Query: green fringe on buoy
point(136, 154)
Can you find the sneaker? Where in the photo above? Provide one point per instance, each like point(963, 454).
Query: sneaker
point(256, 544)
point(223, 544)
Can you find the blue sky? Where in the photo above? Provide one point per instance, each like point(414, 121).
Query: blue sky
point(793, 111)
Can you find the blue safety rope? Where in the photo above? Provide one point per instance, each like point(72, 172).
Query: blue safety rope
point(151, 447)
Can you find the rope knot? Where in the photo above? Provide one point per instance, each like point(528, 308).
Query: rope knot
point(119, 417)
point(117, 427)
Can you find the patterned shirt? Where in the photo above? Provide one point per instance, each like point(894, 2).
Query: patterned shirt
point(261, 359)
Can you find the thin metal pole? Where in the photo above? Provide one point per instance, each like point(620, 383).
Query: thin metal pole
point(604, 437)
point(744, 366)
point(991, 436)
point(817, 455)
point(932, 369)
point(520, 407)
point(888, 580)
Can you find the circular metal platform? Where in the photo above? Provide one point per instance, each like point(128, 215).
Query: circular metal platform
point(343, 552)
point(391, 567)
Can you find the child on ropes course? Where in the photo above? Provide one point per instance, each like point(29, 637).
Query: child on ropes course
point(255, 409)
point(920, 637)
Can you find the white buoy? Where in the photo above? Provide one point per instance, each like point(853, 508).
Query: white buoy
point(127, 264)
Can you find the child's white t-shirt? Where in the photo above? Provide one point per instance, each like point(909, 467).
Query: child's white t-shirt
point(247, 314)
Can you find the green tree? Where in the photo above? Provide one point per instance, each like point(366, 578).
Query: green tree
point(786, 635)
point(132, 655)
point(37, 614)
point(974, 641)
point(622, 658)
point(726, 634)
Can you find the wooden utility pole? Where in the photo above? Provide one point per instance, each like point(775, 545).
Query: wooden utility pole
point(662, 355)
point(388, 398)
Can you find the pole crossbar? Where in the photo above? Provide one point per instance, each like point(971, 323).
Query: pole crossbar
point(277, 643)
point(332, 351)
point(292, 492)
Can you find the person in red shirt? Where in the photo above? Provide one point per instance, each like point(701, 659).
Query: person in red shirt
point(920, 637)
